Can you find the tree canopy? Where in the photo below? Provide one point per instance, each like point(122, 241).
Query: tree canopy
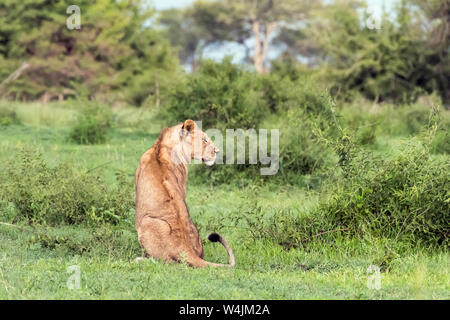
point(125, 51)
point(112, 51)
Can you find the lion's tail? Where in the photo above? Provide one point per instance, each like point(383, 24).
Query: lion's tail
point(214, 237)
point(196, 261)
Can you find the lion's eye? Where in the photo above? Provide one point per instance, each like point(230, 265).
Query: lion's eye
point(205, 139)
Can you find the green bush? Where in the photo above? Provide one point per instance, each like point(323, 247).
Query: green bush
point(33, 191)
point(402, 198)
point(300, 151)
point(302, 109)
point(362, 120)
point(93, 124)
point(287, 66)
point(366, 134)
point(278, 92)
point(416, 118)
point(221, 95)
point(8, 116)
point(441, 142)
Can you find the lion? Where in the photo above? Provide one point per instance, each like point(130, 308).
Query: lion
point(165, 230)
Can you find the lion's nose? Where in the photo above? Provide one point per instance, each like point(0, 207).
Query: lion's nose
point(216, 150)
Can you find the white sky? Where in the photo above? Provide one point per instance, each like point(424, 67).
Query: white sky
point(165, 4)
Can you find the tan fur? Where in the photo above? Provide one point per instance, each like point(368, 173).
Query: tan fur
point(163, 224)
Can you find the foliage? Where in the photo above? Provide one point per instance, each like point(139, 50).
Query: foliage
point(8, 116)
point(112, 50)
point(94, 122)
point(288, 228)
point(121, 55)
point(405, 57)
point(404, 198)
point(221, 95)
point(300, 151)
point(185, 28)
point(38, 193)
point(372, 121)
point(441, 142)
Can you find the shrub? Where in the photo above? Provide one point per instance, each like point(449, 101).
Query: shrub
point(300, 154)
point(302, 108)
point(35, 192)
point(300, 151)
point(278, 92)
point(8, 116)
point(93, 124)
point(288, 66)
point(220, 95)
point(441, 142)
point(403, 198)
point(363, 120)
point(416, 118)
point(366, 134)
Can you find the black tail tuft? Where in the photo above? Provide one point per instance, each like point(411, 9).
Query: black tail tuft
point(214, 237)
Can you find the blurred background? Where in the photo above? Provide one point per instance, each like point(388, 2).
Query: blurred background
point(133, 51)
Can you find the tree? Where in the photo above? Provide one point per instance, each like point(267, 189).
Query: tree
point(434, 24)
point(185, 35)
point(242, 20)
point(112, 57)
point(193, 29)
point(179, 29)
point(398, 62)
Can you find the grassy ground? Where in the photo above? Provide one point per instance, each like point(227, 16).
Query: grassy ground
point(30, 269)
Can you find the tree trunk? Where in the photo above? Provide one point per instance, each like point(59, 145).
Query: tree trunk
point(197, 56)
point(261, 45)
point(194, 64)
point(258, 58)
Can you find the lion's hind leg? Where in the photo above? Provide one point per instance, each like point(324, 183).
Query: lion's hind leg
point(154, 237)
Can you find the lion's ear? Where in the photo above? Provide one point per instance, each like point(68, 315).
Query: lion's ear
point(188, 125)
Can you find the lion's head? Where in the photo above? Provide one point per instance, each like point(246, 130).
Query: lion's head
point(195, 144)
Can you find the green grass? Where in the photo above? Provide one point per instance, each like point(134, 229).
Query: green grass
point(265, 270)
